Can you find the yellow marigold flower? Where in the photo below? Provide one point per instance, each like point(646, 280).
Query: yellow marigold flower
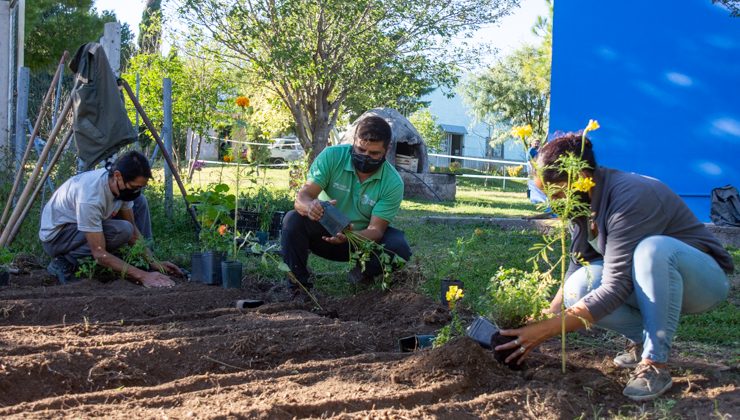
point(222, 230)
point(454, 294)
point(593, 125)
point(478, 231)
point(242, 101)
point(584, 184)
point(521, 131)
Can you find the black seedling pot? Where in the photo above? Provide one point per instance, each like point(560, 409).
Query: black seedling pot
point(248, 221)
point(444, 287)
point(196, 267)
point(482, 330)
point(333, 220)
point(487, 335)
point(4, 277)
point(249, 303)
point(415, 342)
point(212, 267)
point(231, 274)
point(262, 237)
point(501, 355)
point(277, 224)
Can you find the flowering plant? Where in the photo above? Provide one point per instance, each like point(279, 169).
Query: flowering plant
point(566, 200)
point(454, 328)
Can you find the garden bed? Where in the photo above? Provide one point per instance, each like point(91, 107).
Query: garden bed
point(117, 350)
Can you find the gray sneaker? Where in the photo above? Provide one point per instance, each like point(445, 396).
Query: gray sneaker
point(630, 357)
point(647, 382)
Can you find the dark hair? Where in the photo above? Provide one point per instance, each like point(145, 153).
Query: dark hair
point(131, 165)
point(374, 128)
point(559, 146)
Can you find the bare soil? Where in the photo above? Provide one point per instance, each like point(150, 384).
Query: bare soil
point(116, 350)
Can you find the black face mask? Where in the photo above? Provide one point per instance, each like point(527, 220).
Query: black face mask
point(128, 194)
point(365, 163)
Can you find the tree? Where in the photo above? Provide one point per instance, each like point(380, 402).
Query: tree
point(53, 26)
point(426, 124)
point(202, 93)
point(516, 90)
point(150, 28)
point(319, 55)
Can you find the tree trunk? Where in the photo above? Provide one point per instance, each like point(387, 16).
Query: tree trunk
point(195, 158)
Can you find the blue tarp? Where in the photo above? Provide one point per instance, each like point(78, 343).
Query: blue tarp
point(663, 80)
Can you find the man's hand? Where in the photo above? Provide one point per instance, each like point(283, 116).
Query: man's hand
point(316, 210)
point(166, 267)
point(336, 240)
point(155, 279)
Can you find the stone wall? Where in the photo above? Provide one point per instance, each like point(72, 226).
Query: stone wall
point(429, 186)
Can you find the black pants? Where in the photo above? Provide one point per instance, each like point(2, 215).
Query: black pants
point(301, 235)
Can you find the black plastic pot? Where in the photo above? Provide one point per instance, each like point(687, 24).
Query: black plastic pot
point(4, 277)
point(249, 303)
point(444, 287)
point(277, 224)
point(333, 220)
point(231, 274)
point(248, 221)
point(262, 237)
point(501, 355)
point(482, 331)
point(196, 267)
point(212, 267)
point(415, 342)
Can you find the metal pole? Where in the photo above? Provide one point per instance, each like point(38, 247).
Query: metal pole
point(166, 155)
point(21, 112)
point(14, 216)
point(36, 127)
point(167, 134)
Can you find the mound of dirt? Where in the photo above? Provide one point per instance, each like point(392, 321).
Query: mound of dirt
point(116, 350)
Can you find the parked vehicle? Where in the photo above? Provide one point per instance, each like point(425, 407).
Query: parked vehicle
point(286, 149)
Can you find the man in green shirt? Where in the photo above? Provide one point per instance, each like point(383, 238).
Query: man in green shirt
point(362, 185)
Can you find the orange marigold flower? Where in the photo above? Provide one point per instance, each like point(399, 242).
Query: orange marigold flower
point(222, 230)
point(242, 101)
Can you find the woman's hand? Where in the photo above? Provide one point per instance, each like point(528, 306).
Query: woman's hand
point(528, 338)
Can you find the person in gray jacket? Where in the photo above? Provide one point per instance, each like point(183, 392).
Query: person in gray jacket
point(650, 260)
point(93, 214)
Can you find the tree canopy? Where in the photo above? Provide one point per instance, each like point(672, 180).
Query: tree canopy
point(53, 26)
point(515, 90)
point(322, 57)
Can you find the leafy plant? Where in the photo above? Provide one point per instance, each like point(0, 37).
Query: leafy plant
point(86, 268)
point(515, 296)
point(454, 167)
point(297, 172)
point(217, 239)
point(363, 249)
point(455, 327)
point(214, 205)
point(6, 257)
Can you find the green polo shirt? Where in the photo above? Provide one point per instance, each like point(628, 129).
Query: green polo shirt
point(379, 195)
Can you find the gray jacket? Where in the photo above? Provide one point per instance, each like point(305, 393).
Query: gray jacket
point(629, 208)
point(101, 125)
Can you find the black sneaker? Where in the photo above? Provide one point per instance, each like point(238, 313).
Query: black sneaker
point(62, 269)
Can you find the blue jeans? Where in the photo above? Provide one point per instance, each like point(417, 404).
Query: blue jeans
point(670, 277)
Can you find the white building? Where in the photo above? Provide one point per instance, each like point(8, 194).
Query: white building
point(465, 136)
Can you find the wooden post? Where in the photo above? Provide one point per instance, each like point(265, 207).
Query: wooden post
point(5, 78)
point(166, 155)
point(167, 134)
point(39, 186)
point(21, 112)
point(15, 215)
point(36, 128)
point(111, 42)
